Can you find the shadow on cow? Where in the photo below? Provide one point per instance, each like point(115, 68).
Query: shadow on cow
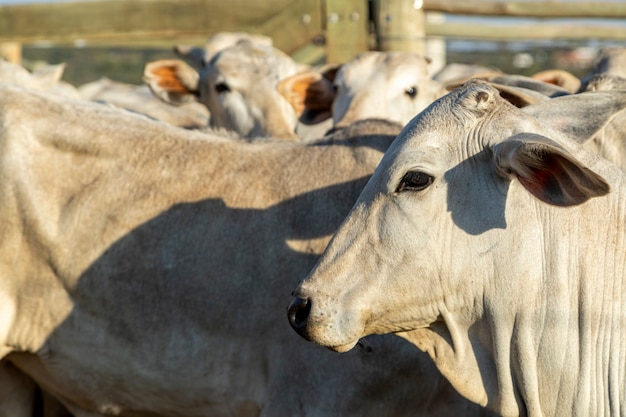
point(155, 266)
point(180, 315)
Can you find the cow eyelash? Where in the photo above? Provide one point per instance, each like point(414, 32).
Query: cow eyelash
point(415, 181)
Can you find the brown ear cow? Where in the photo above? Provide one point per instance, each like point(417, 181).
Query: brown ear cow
point(384, 85)
point(238, 86)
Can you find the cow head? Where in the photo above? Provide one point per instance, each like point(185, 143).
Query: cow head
point(446, 230)
point(238, 86)
point(384, 85)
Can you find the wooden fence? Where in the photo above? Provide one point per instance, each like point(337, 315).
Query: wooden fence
point(337, 28)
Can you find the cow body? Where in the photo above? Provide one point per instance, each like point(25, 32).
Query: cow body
point(146, 268)
point(493, 241)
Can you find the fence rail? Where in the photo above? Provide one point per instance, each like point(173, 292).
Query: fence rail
point(542, 9)
point(548, 17)
point(293, 24)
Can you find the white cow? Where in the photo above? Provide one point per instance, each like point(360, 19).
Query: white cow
point(610, 60)
point(610, 142)
point(139, 99)
point(44, 78)
point(238, 86)
point(145, 270)
point(541, 87)
point(455, 72)
point(560, 77)
point(198, 57)
point(495, 243)
point(385, 85)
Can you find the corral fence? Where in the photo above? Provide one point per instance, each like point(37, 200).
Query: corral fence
point(309, 30)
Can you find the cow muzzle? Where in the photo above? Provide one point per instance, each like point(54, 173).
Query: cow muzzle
point(308, 327)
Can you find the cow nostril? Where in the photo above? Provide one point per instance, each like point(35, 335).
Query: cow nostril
point(298, 313)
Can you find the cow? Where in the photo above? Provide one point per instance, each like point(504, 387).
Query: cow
point(238, 86)
point(529, 84)
point(198, 57)
point(560, 77)
point(386, 85)
point(456, 72)
point(21, 397)
point(139, 99)
point(44, 78)
point(606, 81)
point(145, 269)
point(610, 60)
point(492, 240)
point(610, 142)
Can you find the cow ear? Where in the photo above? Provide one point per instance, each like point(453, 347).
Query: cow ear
point(579, 116)
point(310, 94)
point(49, 75)
point(547, 170)
point(559, 77)
point(518, 96)
point(172, 80)
point(513, 80)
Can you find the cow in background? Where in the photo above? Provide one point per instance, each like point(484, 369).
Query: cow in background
point(384, 85)
point(139, 99)
point(237, 85)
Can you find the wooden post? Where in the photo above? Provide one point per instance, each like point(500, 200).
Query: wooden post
point(11, 51)
point(400, 25)
point(435, 47)
point(346, 29)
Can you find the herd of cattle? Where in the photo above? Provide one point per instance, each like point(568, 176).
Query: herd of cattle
point(152, 237)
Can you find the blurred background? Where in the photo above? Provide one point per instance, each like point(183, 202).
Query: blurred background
point(115, 38)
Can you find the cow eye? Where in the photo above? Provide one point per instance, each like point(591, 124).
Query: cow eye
point(222, 88)
point(411, 91)
point(414, 181)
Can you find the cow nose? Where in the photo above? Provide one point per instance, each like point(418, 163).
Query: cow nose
point(298, 314)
